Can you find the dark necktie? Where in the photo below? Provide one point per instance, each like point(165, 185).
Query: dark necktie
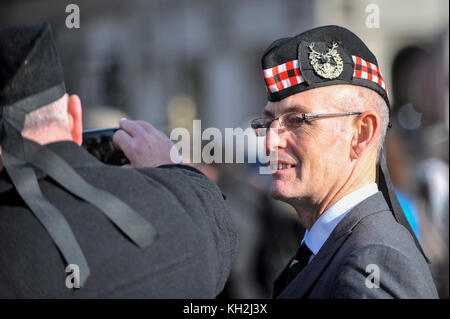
point(300, 260)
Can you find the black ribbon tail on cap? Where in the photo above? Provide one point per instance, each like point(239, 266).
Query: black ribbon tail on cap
point(25, 181)
point(133, 225)
point(387, 188)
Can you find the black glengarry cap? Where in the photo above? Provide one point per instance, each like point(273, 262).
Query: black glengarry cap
point(320, 57)
point(29, 66)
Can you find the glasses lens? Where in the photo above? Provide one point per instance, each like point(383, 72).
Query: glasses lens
point(292, 121)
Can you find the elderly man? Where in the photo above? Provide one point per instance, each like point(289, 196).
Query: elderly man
point(71, 227)
point(325, 122)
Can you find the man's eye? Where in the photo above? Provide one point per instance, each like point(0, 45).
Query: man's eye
point(294, 121)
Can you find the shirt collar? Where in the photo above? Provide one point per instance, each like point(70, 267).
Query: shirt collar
point(324, 226)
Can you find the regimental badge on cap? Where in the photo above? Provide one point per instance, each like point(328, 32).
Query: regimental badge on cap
point(324, 62)
point(329, 64)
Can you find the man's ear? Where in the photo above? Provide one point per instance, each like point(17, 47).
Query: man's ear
point(75, 119)
point(365, 129)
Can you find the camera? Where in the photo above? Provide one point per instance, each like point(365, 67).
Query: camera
point(99, 143)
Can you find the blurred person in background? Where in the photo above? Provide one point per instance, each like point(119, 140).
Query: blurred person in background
point(157, 230)
point(419, 149)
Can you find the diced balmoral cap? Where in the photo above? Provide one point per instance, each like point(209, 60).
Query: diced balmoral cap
point(320, 57)
point(324, 56)
point(31, 77)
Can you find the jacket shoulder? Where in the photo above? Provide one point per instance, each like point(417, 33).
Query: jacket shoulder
point(196, 244)
point(380, 260)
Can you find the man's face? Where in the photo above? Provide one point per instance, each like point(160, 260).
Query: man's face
point(319, 151)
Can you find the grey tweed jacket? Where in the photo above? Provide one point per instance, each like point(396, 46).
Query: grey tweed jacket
point(368, 255)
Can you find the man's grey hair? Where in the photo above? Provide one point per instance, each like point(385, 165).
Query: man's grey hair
point(54, 113)
point(363, 99)
point(383, 110)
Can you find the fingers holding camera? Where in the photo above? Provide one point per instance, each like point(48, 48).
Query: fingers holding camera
point(144, 145)
point(132, 128)
point(146, 126)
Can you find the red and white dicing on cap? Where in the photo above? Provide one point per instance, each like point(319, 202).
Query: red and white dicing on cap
point(288, 74)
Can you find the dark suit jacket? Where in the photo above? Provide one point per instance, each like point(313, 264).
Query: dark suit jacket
point(366, 241)
point(190, 259)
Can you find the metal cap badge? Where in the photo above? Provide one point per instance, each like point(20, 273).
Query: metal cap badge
point(329, 64)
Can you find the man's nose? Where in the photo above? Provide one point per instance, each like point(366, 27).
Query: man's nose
point(274, 138)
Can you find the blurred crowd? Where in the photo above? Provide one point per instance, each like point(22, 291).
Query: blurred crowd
point(417, 151)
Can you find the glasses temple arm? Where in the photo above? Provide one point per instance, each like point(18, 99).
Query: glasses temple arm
point(307, 117)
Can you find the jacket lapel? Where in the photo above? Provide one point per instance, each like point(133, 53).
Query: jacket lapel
point(308, 276)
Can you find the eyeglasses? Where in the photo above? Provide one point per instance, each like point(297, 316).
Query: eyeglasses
point(292, 120)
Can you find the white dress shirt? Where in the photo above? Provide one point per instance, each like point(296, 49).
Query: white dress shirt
point(324, 226)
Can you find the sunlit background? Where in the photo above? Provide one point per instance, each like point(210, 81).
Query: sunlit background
point(172, 61)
